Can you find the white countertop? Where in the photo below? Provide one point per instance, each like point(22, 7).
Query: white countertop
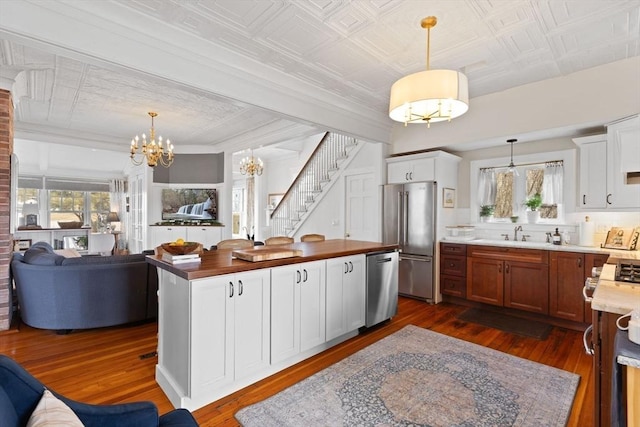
point(615, 297)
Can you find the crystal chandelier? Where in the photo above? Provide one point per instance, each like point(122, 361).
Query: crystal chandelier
point(251, 166)
point(152, 151)
point(431, 95)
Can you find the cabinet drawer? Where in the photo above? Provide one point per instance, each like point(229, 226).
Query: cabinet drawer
point(509, 254)
point(453, 249)
point(453, 265)
point(454, 286)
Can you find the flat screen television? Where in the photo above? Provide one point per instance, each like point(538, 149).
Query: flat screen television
point(189, 204)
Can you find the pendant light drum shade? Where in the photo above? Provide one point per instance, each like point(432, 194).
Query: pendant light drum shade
point(429, 96)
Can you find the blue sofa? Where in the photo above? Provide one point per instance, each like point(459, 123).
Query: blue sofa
point(20, 392)
point(61, 293)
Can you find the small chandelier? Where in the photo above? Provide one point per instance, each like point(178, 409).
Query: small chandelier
point(251, 166)
point(153, 152)
point(431, 95)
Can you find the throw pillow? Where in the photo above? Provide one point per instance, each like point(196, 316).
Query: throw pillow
point(68, 253)
point(39, 257)
point(51, 411)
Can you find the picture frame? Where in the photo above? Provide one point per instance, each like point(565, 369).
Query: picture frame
point(22, 244)
point(448, 198)
point(273, 199)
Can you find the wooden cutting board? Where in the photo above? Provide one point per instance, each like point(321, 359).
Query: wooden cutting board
point(265, 253)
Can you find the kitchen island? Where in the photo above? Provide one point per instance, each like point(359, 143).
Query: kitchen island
point(225, 323)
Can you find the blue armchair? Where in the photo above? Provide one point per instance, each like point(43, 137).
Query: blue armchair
point(20, 392)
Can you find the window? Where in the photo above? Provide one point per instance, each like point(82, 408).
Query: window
point(507, 191)
point(548, 172)
point(63, 200)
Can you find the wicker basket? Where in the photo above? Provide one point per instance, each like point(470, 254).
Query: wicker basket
point(70, 224)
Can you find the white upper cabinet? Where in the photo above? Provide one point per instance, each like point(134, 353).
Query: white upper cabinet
point(592, 180)
point(609, 175)
point(623, 163)
point(411, 170)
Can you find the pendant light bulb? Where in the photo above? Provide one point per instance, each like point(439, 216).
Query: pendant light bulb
point(512, 167)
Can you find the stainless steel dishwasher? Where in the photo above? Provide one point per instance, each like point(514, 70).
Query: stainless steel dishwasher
point(382, 287)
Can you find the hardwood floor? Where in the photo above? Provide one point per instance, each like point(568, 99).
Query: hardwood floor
point(106, 366)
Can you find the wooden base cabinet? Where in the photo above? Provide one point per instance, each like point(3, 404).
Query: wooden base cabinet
point(566, 280)
point(346, 295)
point(453, 269)
point(508, 277)
point(298, 309)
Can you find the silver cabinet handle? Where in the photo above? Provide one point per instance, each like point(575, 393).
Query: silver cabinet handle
point(241, 290)
point(299, 276)
point(230, 289)
point(306, 276)
point(588, 346)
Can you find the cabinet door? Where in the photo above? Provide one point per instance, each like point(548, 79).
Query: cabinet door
point(208, 236)
point(526, 286)
point(355, 292)
point(399, 172)
point(623, 164)
point(453, 285)
point(593, 177)
point(485, 279)
point(423, 170)
point(212, 314)
point(312, 304)
point(285, 312)
point(251, 321)
point(566, 280)
point(336, 322)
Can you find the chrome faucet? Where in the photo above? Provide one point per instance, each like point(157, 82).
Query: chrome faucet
point(549, 237)
point(515, 232)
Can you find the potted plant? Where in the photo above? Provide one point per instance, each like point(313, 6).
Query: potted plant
point(486, 212)
point(533, 203)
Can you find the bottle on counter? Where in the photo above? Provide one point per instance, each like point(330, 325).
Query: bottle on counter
point(556, 238)
point(566, 239)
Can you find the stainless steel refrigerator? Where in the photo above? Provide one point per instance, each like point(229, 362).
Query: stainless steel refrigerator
point(408, 215)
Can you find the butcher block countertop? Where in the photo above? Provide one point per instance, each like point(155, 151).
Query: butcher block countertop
point(220, 261)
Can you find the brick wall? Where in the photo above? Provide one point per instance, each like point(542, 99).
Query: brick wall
point(6, 148)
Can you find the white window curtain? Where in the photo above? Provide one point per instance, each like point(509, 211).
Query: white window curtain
point(487, 186)
point(117, 199)
point(552, 183)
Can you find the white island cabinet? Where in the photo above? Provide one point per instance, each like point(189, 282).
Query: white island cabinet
point(230, 340)
point(298, 309)
point(346, 295)
point(225, 323)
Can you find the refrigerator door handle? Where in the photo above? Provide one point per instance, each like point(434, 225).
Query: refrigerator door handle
point(406, 216)
point(400, 221)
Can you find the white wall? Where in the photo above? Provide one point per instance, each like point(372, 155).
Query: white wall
point(580, 100)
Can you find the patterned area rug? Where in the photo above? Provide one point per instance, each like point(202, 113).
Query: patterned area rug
point(417, 377)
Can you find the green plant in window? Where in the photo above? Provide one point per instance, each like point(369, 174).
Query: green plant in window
point(487, 210)
point(534, 202)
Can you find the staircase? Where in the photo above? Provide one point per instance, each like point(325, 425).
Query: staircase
point(322, 170)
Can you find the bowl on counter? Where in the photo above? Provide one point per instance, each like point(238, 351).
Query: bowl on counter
point(185, 248)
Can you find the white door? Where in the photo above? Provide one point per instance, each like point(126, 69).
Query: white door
point(362, 207)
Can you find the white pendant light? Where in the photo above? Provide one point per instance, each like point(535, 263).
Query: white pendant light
point(431, 95)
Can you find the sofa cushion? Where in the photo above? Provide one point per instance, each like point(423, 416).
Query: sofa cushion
point(93, 260)
point(68, 253)
point(41, 256)
point(51, 411)
point(8, 411)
